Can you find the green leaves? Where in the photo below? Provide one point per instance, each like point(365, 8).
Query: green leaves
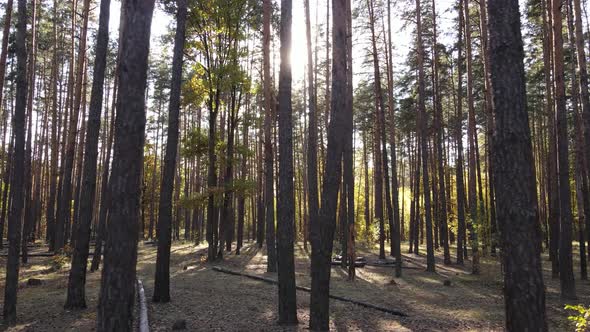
point(581, 317)
point(194, 144)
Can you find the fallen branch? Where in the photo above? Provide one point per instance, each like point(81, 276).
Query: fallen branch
point(143, 313)
point(404, 266)
point(41, 254)
point(308, 290)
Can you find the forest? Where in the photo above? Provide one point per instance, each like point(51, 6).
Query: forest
point(280, 165)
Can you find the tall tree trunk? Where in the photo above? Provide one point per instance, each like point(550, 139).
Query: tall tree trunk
point(312, 138)
point(4, 51)
point(378, 134)
point(17, 191)
point(348, 154)
point(395, 240)
point(566, 273)
point(64, 208)
point(338, 130)
point(53, 168)
point(471, 139)
point(244, 176)
point(459, 140)
point(29, 221)
point(227, 213)
point(584, 94)
point(580, 176)
point(77, 279)
point(553, 194)
point(514, 173)
point(105, 178)
point(422, 128)
point(442, 213)
point(286, 197)
point(268, 153)
point(162, 278)
point(117, 291)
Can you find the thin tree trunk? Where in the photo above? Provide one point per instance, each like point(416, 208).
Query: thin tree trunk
point(268, 153)
point(566, 273)
point(162, 278)
point(64, 208)
point(17, 191)
point(423, 143)
point(77, 279)
point(459, 141)
point(442, 213)
point(471, 139)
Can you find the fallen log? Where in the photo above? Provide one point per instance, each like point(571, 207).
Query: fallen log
point(308, 290)
point(40, 254)
point(356, 264)
point(404, 266)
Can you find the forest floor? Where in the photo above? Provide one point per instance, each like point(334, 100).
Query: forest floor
point(212, 301)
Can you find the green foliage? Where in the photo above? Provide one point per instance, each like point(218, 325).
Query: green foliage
point(194, 144)
point(580, 317)
point(240, 187)
point(243, 187)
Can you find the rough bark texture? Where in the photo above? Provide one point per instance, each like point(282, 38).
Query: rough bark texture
point(4, 53)
point(514, 173)
point(77, 279)
point(162, 279)
point(472, 146)
point(64, 209)
point(53, 170)
point(566, 270)
point(442, 212)
point(322, 248)
point(312, 131)
point(378, 163)
point(459, 140)
point(117, 293)
point(348, 156)
point(17, 191)
point(269, 197)
point(584, 93)
point(286, 201)
point(422, 125)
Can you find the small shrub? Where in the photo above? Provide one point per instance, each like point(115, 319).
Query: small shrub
point(58, 262)
point(581, 317)
point(67, 250)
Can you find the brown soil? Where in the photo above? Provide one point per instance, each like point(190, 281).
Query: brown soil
point(213, 301)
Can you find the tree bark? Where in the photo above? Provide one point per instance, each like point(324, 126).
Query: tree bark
point(77, 278)
point(514, 173)
point(583, 85)
point(286, 198)
point(471, 139)
point(64, 208)
point(268, 153)
point(162, 278)
point(459, 140)
point(442, 213)
point(115, 309)
point(337, 132)
point(422, 125)
point(312, 131)
point(566, 273)
point(17, 191)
